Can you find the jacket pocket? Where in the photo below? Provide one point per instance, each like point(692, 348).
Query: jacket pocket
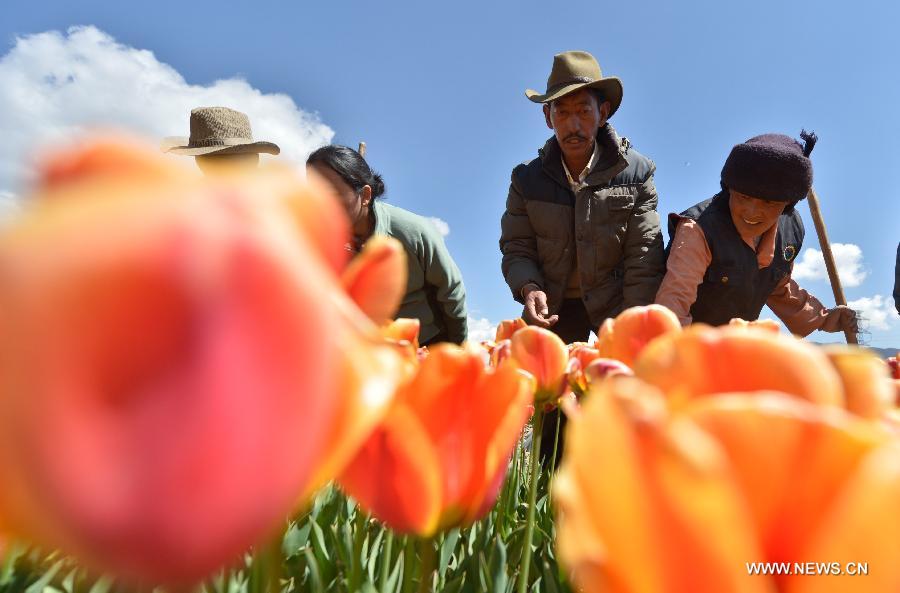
point(619, 203)
point(726, 276)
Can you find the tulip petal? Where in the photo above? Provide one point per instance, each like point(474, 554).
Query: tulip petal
point(403, 330)
point(541, 353)
point(793, 479)
point(376, 278)
point(867, 389)
point(648, 504)
point(396, 474)
point(703, 361)
point(860, 528)
point(624, 337)
point(508, 327)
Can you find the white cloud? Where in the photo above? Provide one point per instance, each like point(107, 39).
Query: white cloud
point(847, 256)
point(9, 204)
point(442, 227)
point(481, 329)
point(878, 312)
point(53, 85)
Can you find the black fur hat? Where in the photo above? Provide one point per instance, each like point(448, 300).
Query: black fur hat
point(771, 167)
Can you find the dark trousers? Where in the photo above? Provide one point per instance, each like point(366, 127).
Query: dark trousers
point(574, 325)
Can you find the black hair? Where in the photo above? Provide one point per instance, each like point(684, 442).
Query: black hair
point(350, 166)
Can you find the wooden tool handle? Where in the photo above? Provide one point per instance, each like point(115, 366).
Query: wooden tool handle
point(839, 298)
point(362, 149)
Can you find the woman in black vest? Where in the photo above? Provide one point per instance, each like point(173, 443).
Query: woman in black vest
point(734, 253)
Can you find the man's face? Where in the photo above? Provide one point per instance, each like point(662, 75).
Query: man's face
point(575, 120)
point(751, 216)
point(215, 164)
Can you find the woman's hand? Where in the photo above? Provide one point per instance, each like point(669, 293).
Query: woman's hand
point(841, 318)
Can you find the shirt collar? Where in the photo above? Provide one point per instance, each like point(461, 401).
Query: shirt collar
point(576, 185)
point(764, 246)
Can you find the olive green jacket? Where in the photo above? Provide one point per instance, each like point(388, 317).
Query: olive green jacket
point(435, 294)
point(610, 228)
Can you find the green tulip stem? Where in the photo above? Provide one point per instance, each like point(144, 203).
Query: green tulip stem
point(559, 413)
point(536, 430)
point(429, 563)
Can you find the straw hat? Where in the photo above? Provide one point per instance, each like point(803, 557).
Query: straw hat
point(574, 70)
point(218, 130)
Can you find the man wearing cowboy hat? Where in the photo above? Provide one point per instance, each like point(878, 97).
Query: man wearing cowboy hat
point(220, 138)
point(580, 237)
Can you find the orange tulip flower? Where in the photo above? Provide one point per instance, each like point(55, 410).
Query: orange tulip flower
point(602, 368)
point(439, 457)
point(500, 352)
point(704, 361)
point(868, 390)
point(767, 324)
point(178, 354)
point(584, 354)
point(508, 327)
point(380, 268)
point(624, 337)
point(541, 353)
point(403, 330)
point(586, 365)
point(649, 502)
point(646, 504)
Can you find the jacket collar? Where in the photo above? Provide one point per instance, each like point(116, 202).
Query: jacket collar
point(382, 218)
point(611, 162)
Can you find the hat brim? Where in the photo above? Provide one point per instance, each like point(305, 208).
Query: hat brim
point(611, 87)
point(181, 146)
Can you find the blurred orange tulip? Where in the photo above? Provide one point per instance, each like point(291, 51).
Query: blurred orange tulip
point(508, 327)
point(649, 502)
point(586, 365)
point(541, 353)
point(500, 352)
point(379, 269)
point(439, 457)
point(601, 368)
point(173, 351)
point(403, 330)
point(868, 390)
point(767, 324)
point(646, 504)
point(703, 360)
point(584, 354)
point(821, 489)
point(624, 337)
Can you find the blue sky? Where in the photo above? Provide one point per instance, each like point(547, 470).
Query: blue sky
point(436, 91)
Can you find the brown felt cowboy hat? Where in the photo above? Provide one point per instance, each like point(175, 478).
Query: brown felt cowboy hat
point(218, 130)
point(575, 70)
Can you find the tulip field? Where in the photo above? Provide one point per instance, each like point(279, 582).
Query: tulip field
point(202, 392)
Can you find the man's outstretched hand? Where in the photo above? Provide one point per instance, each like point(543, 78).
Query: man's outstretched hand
point(536, 310)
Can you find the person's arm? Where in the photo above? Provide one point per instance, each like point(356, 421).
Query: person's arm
point(644, 256)
point(803, 313)
point(689, 257)
point(518, 245)
point(800, 311)
point(442, 273)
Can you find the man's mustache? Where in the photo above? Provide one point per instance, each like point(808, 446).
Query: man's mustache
point(575, 135)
